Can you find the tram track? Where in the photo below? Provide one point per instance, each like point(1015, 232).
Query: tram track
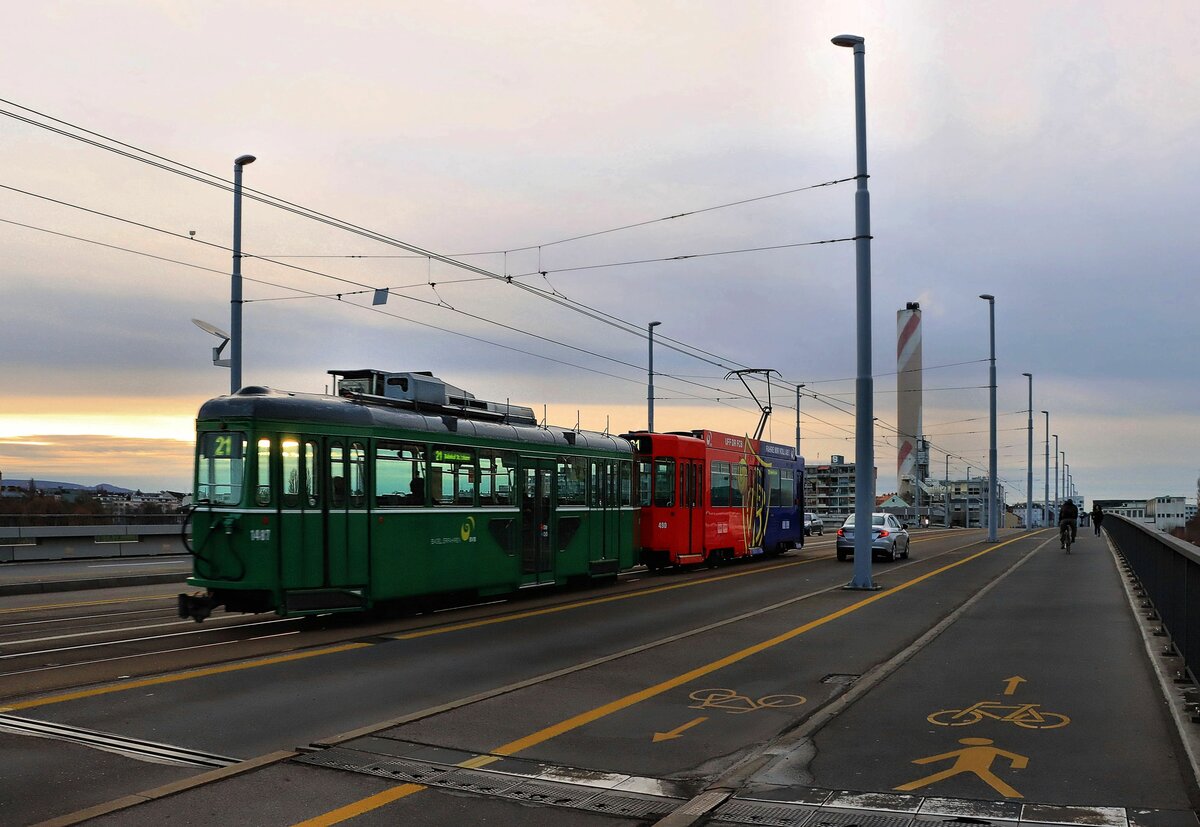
point(829, 580)
point(53, 672)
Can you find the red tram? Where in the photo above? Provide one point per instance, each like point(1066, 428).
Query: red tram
point(709, 497)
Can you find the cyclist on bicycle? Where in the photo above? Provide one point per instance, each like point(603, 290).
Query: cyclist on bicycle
point(1066, 522)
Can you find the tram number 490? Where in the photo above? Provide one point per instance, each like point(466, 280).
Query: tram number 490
point(662, 524)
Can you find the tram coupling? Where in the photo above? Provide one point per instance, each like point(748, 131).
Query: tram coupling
point(197, 606)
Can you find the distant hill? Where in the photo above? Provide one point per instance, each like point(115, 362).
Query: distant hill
point(51, 485)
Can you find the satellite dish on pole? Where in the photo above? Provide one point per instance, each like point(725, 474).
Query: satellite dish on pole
point(220, 334)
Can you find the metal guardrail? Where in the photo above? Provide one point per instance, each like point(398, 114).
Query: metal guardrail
point(1168, 570)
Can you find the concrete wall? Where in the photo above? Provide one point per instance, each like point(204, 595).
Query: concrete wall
point(29, 543)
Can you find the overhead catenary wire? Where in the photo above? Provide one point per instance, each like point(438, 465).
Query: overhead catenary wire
point(279, 203)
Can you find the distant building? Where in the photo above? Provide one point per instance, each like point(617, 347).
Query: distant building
point(969, 505)
point(1167, 512)
point(1164, 513)
point(829, 489)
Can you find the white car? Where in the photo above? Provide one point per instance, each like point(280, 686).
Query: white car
point(889, 537)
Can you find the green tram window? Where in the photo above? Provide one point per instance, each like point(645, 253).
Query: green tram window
point(399, 474)
point(664, 482)
point(496, 473)
point(262, 491)
point(787, 488)
point(774, 484)
point(572, 481)
point(720, 484)
point(626, 483)
point(643, 484)
point(358, 475)
point(452, 476)
point(221, 467)
point(312, 471)
point(337, 475)
point(289, 452)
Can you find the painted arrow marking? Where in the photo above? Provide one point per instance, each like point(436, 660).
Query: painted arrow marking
point(1013, 683)
point(678, 731)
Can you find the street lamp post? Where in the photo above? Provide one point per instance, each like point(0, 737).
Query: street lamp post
point(1029, 475)
point(1056, 453)
point(946, 483)
point(864, 436)
point(650, 379)
point(1046, 495)
point(992, 508)
point(235, 300)
point(798, 387)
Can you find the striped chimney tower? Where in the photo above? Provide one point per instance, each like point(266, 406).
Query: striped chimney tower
point(908, 397)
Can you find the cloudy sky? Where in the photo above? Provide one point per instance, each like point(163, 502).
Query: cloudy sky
point(1041, 152)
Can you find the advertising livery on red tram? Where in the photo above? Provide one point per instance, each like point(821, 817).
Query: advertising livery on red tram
point(710, 497)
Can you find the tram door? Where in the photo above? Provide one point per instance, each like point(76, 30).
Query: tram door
point(605, 514)
point(691, 497)
point(537, 523)
point(346, 522)
point(301, 523)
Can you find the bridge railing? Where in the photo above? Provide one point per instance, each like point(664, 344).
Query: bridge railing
point(1168, 569)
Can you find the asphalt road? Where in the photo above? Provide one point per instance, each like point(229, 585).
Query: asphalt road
point(676, 681)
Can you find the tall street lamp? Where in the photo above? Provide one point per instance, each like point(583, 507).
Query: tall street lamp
point(1056, 492)
point(1029, 475)
point(650, 379)
point(946, 483)
point(798, 387)
point(992, 506)
point(864, 397)
point(235, 301)
point(1046, 495)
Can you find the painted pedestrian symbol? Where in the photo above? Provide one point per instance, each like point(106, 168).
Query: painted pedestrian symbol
point(976, 757)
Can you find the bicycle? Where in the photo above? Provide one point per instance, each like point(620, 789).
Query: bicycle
point(1064, 535)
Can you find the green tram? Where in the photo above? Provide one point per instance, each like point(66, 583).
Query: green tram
point(398, 488)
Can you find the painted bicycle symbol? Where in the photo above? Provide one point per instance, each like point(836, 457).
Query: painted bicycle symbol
point(1027, 716)
point(730, 701)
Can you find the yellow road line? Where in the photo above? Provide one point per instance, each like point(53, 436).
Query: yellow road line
point(185, 676)
point(599, 712)
point(546, 734)
point(363, 806)
point(86, 603)
point(475, 624)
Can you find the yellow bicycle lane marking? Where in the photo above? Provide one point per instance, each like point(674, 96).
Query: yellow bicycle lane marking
point(365, 805)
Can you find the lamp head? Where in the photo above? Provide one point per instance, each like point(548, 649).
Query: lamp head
point(242, 160)
point(1030, 375)
point(1047, 413)
point(655, 324)
point(848, 40)
point(987, 296)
